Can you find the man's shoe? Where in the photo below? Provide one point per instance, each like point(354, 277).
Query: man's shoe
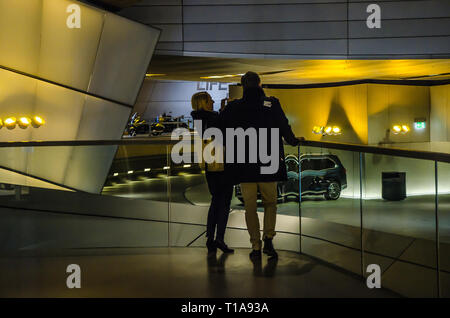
point(223, 247)
point(268, 248)
point(255, 254)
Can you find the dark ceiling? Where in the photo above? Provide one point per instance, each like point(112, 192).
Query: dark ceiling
point(112, 5)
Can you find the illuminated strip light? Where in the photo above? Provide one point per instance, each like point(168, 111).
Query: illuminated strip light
point(221, 76)
point(186, 166)
point(166, 168)
point(153, 75)
point(147, 169)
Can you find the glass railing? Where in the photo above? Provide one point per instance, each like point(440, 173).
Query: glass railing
point(348, 205)
point(443, 227)
point(392, 212)
point(61, 195)
point(330, 207)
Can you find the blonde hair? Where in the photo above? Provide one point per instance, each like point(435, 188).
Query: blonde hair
point(200, 100)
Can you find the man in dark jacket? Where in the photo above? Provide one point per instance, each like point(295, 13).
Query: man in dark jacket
point(257, 114)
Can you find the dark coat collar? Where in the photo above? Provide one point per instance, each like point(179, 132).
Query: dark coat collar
point(253, 94)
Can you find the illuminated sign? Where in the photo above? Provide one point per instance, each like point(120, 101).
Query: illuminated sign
point(419, 123)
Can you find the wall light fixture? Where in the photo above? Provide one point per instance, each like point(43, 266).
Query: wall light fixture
point(327, 131)
point(10, 122)
point(400, 129)
point(24, 122)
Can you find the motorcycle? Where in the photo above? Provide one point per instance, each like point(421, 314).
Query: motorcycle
point(137, 125)
point(166, 124)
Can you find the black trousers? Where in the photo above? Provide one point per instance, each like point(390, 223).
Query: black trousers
point(221, 191)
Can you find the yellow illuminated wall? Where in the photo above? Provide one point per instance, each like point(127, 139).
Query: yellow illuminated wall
point(344, 106)
point(440, 113)
point(390, 105)
point(366, 113)
point(82, 81)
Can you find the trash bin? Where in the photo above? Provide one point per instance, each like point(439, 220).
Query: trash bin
point(393, 185)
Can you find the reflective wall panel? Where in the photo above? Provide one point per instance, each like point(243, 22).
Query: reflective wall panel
point(20, 38)
point(108, 55)
point(444, 227)
point(123, 56)
point(67, 55)
point(69, 115)
point(399, 225)
point(330, 207)
point(87, 81)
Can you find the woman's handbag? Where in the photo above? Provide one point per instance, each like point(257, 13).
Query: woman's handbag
point(213, 159)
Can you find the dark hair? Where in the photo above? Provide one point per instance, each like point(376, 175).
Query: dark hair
point(250, 79)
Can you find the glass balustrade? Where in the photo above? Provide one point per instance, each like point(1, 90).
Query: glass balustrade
point(330, 206)
point(351, 208)
point(399, 229)
point(443, 217)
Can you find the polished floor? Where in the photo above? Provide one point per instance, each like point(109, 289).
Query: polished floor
point(176, 272)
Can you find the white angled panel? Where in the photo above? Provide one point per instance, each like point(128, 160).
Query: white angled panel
point(102, 120)
point(88, 167)
point(123, 57)
point(20, 28)
point(61, 108)
point(67, 55)
point(17, 94)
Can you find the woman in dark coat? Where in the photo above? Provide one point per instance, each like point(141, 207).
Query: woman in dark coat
point(219, 186)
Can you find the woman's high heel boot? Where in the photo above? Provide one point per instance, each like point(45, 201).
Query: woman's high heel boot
point(211, 245)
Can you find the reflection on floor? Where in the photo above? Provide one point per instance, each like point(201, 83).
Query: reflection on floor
point(176, 272)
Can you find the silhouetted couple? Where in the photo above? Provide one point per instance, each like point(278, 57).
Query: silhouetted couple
point(254, 110)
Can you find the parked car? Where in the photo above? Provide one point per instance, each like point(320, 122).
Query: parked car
point(322, 174)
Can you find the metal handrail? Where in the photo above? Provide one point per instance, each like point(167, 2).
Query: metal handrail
point(78, 143)
point(416, 154)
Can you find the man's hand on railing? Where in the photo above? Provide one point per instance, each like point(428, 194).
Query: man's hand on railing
point(223, 103)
